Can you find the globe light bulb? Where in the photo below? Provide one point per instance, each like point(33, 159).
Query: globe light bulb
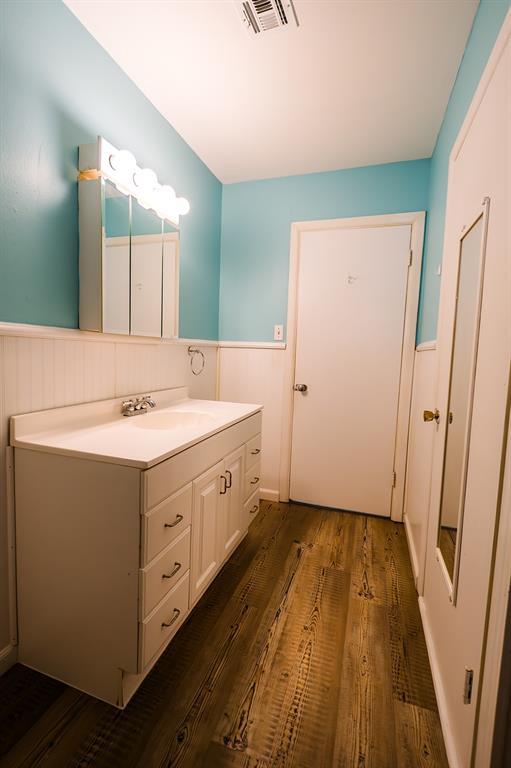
point(123, 161)
point(145, 179)
point(168, 193)
point(183, 206)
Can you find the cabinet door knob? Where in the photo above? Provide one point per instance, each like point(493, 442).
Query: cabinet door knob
point(172, 620)
point(173, 572)
point(176, 522)
point(300, 387)
point(431, 415)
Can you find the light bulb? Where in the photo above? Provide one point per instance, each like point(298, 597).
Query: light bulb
point(122, 161)
point(168, 193)
point(145, 179)
point(183, 206)
point(170, 213)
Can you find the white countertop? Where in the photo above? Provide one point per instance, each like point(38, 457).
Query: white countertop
point(99, 432)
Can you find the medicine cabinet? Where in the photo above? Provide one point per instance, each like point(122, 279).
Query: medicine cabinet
point(129, 260)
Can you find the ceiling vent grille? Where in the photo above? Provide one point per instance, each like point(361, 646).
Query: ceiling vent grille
point(265, 15)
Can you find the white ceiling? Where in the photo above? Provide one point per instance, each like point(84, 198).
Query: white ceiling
point(360, 82)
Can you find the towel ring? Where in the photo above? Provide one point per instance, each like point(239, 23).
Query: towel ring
point(193, 351)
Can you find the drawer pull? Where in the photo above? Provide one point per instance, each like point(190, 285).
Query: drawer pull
point(254, 481)
point(254, 509)
point(255, 451)
point(166, 624)
point(176, 522)
point(173, 572)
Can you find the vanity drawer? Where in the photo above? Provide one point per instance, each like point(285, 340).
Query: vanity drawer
point(251, 508)
point(165, 523)
point(252, 480)
point(171, 611)
point(165, 478)
point(158, 578)
point(253, 451)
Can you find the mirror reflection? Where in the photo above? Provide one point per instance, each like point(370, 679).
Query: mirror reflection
point(146, 271)
point(170, 294)
point(116, 260)
point(460, 394)
point(140, 268)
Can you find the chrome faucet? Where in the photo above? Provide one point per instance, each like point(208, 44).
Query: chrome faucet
point(137, 405)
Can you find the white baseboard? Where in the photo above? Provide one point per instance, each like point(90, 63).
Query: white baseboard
point(268, 495)
point(8, 657)
point(411, 550)
point(450, 748)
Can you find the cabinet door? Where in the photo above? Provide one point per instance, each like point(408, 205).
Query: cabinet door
point(231, 528)
point(146, 271)
point(208, 494)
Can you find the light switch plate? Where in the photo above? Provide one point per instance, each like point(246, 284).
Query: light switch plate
point(278, 332)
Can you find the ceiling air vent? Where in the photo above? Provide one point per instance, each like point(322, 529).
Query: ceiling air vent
point(264, 15)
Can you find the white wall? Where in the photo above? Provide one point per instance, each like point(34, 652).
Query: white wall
point(47, 368)
point(419, 460)
point(255, 375)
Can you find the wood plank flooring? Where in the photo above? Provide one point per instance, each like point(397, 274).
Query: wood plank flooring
point(306, 652)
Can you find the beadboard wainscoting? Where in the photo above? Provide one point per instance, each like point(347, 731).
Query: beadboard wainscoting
point(51, 367)
point(420, 457)
point(255, 374)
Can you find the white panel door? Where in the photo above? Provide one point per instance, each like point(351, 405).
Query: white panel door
point(351, 309)
point(208, 493)
point(456, 594)
point(233, 502)
point(116, 285)
point(146, 286)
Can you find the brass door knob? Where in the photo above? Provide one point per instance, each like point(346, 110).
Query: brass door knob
point(431, 415)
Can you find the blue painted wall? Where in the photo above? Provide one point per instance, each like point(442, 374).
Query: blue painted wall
point(59, 89)
point(256, 221)
point(487, 23)
point(256, 216)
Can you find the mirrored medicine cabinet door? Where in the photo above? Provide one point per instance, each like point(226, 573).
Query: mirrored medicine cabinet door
point(129, 265)
point(461, 390)
point(116, 260)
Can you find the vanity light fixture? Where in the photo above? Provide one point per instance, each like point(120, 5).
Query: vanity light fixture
point(120, 167)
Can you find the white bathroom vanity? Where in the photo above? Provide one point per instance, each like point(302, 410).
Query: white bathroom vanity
point(121, 524)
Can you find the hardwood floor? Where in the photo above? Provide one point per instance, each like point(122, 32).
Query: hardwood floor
point(307, 651)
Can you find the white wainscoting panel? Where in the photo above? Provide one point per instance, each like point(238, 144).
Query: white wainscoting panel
point(420, 456)
point(255, 375)
point(38, 372)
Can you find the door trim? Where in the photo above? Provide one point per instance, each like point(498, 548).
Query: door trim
point(416, 220)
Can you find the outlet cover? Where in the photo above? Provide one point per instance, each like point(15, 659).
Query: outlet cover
point(278, 332)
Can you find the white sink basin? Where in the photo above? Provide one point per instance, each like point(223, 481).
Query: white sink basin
point(97, 430)
point(173, 420)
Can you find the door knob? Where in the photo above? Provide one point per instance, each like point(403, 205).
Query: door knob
point(300, 387)
point(431, 415)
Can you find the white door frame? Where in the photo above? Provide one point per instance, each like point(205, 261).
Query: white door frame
point(416, 220)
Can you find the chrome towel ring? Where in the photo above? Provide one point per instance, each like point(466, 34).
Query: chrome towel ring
point(193, 351)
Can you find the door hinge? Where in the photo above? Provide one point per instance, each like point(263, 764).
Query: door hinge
point(394, 479)
point(467, 688)
point(410, 258)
